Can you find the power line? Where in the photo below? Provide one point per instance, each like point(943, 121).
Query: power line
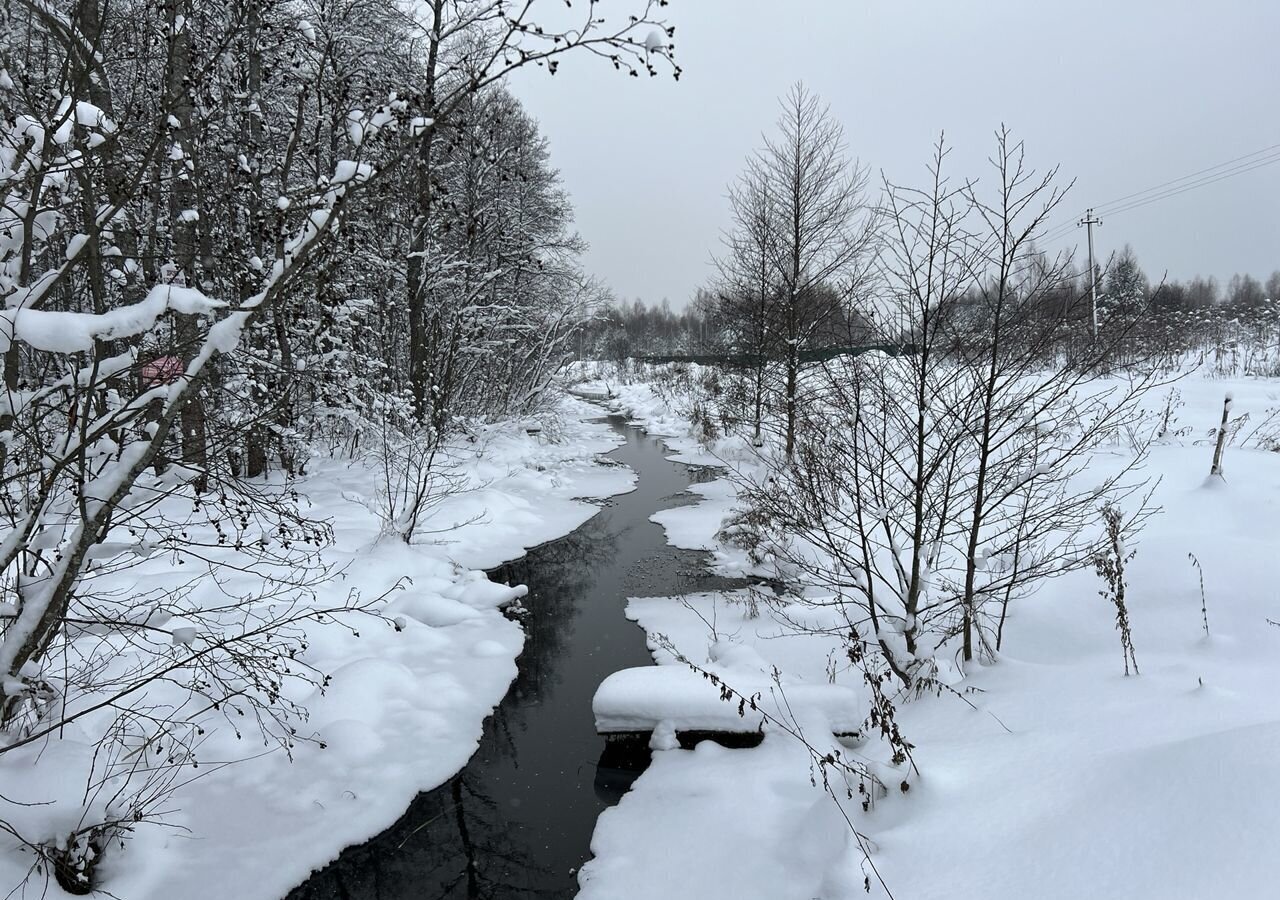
point(1103, 207)
point(1172, 188)
point(1201, 183)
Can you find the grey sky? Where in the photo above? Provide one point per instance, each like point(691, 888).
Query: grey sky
point(1124, 95)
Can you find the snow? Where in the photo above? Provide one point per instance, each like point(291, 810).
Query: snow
point(407, 695)
point(694, 527)
point(681, 699)
point(719, 823)
point(1059, 778)
point(355, 127)
point(69, 332)
point(350, 170)
point(75, 245)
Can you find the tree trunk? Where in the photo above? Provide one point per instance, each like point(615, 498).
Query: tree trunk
point(419, 376)
point(186, 233)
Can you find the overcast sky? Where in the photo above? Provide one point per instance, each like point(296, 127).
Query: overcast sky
point(1124, 95)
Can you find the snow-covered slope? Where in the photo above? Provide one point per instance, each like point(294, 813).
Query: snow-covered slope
point(1059, 778)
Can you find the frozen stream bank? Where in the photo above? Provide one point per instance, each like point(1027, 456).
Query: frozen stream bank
point(517, 821)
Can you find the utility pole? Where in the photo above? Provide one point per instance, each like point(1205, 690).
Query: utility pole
point(1089, 221)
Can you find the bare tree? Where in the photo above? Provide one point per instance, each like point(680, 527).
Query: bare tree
point(748, 288)
point(1016, 380)
point(929, 490)
point(807, 200)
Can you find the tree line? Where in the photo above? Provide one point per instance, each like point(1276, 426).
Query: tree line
point(1199, 313)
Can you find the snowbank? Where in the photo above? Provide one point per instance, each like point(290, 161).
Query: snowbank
point(677, 698)
point(405, 705)
point(745, 824)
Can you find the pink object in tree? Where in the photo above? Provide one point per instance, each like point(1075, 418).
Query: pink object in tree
point(162, 370)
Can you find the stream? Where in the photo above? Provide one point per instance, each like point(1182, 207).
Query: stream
point(516, 822)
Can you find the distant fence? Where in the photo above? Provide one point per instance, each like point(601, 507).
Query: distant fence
point(748, 360)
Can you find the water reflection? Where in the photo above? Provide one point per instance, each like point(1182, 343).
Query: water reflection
point(562, 573)
point(517, 821)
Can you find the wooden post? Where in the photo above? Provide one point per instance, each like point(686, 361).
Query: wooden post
point(1222, 439)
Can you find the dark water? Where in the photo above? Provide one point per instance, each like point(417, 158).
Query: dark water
point(517, 821)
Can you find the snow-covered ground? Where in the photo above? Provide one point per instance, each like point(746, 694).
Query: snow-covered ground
point(405, 706)
point(1059, 778)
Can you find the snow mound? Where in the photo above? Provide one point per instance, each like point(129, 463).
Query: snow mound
point(653, 698)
